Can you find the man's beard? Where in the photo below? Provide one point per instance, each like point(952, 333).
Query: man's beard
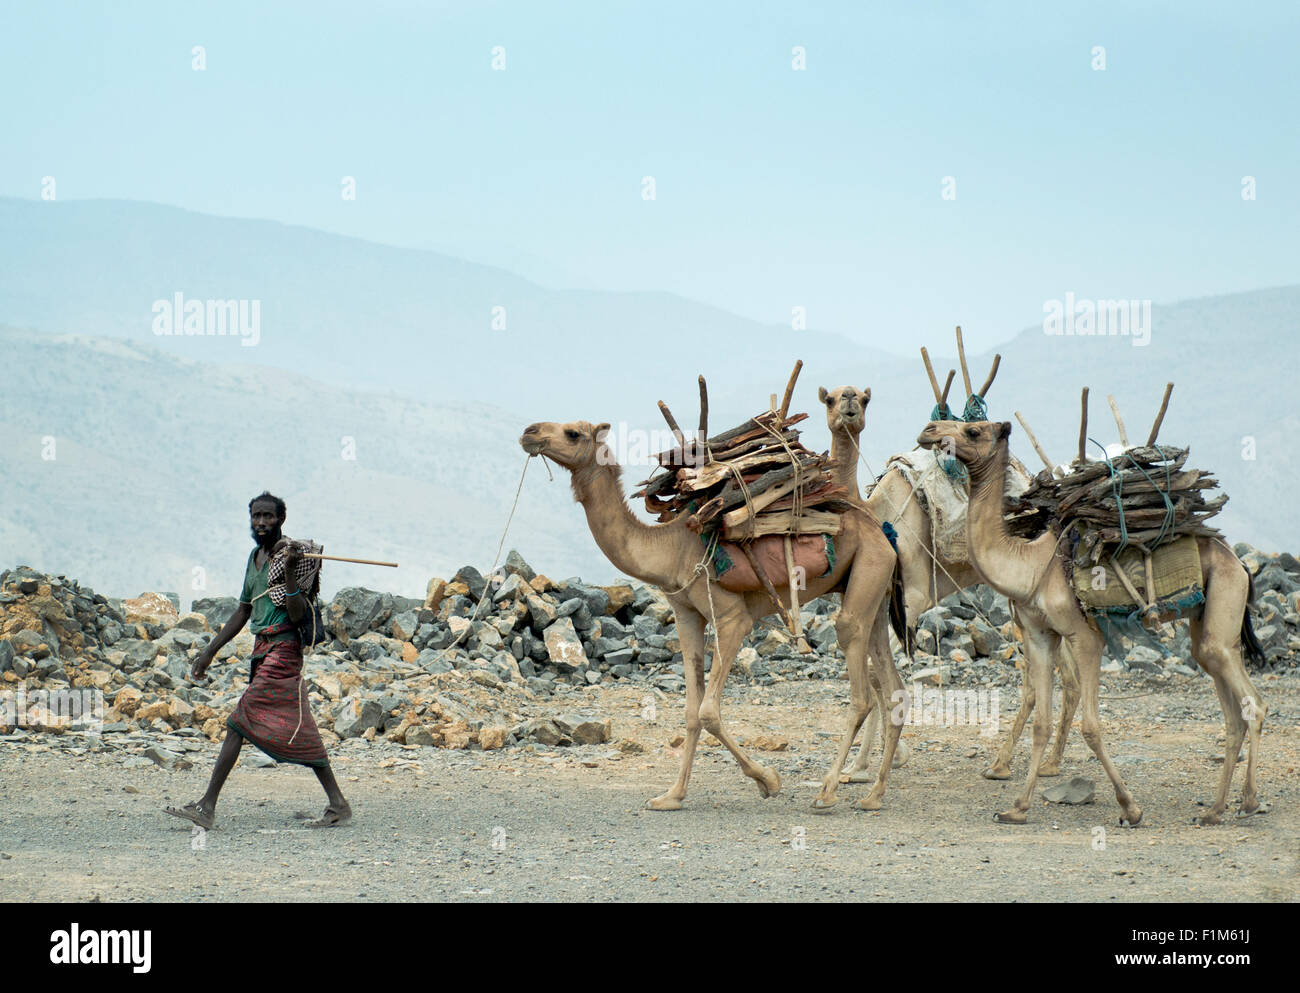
point(267, 540)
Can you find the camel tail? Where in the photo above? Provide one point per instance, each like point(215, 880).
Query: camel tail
point(1251, 647)
point(898, 612)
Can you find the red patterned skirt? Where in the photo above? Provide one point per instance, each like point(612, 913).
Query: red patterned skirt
point(273, 713)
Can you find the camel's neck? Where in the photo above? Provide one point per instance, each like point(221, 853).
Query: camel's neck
point(1009, 564)
point(844, 450)
point(654, 554)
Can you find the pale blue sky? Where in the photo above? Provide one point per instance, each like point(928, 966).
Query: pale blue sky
point(775, 188)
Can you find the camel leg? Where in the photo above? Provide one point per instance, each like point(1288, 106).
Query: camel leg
point(690, 631)
point(881, 708)
point(1038, 676)
point(1243, 708)
point(857, 772)
point(860, 629)
point(1001, 767)
point(1085, 648)
point(1069, 704)
point(733, 628)
point(862, 696)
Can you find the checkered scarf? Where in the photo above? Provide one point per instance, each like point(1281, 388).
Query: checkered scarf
point(306, 571)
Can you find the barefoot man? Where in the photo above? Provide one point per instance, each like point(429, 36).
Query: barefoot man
point(273, 712)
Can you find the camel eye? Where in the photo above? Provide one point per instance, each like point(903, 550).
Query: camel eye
point(972, 433)
point(571, 434)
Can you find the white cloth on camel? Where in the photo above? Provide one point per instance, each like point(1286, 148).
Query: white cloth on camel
point(946, 499)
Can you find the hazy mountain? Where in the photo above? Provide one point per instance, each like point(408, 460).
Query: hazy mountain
point(374, 317)
point(161, 440)
point(129, 469)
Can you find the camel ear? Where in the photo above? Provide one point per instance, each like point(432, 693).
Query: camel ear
point(601, 431)
point(1004, 431)
point(866, 396)
point(822, 394)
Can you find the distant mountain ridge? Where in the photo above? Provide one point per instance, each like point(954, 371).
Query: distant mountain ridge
point(161, 439)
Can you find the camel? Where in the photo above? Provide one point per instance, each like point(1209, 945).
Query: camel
point(674, 558)
point(928, 577)
point(1030, 574)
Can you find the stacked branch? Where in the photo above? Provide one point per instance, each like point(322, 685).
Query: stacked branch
point(1142, 497)
point(751, 480)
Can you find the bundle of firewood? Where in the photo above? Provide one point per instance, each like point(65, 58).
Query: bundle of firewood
point(1143, 496)
point(755, 479)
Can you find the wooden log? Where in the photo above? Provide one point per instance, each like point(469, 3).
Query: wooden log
point(997, 361)
point(1119, 421)
point(1083, 429)
point(789, 388)
point(703, 434)
point(1160, 417)
point(672, 426)
point(731, 493)
point(796, 622)
point(1034, 442)
point(734, 518)
point(929, 371)
point(961, 359)
point(947, 385)
point(811, 522)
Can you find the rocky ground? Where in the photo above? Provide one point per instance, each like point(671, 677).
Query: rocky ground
point(512, 763)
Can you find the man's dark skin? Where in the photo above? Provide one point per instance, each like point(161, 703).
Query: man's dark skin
point(266, 525)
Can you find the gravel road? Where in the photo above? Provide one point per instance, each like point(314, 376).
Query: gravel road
point(567, 824)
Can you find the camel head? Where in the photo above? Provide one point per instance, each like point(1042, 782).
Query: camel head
point(846, 408)
point(973, 443)
point(575, 445)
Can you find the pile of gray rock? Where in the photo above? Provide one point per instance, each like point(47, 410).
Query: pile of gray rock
point(491, 661)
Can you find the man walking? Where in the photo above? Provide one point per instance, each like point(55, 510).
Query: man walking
point(273, 712)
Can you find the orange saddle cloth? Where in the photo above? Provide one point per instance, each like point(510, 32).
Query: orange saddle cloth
point(813, 553)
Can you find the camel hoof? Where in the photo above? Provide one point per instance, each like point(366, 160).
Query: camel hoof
point(664, 802)
point(1011, 816)
point(1049, 769)
point(858, 776)
point(1208, 820)
point(997, 772)
point(1251, 806)
point(769, 783)
point(1131, 818)
point(822, 804)
point(868, 802)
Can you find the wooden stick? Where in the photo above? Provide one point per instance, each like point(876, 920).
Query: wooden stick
point(1160, 417)
point(796, 627)
point(1034, 441)
point(943, 400)
point(1083, 428)
point(961, 357)
point(929, 369)
point(1119, 421)
point(1148, 564)
point(704, 411)
point(672, 424)
point(1127, 583)
point(340, 558)
point(789, 388)
point(997, 361)
point(763, 578)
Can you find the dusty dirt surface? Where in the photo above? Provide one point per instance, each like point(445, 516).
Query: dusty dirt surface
point(567, 824)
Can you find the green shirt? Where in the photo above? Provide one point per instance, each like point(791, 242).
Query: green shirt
point(265, 613)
